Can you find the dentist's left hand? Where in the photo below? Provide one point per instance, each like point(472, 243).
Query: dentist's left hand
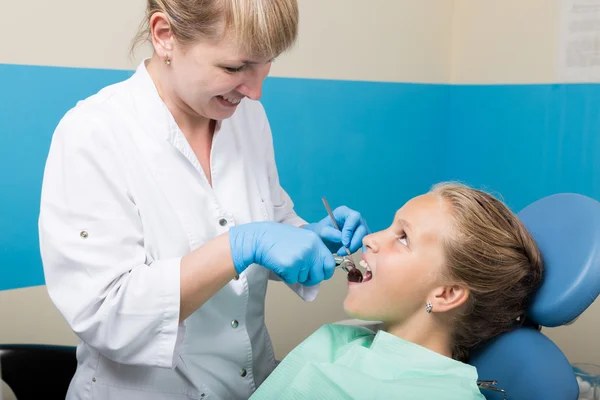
point(353, 229)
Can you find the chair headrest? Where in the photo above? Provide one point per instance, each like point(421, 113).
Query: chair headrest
point(527, 365)
point(566, 228)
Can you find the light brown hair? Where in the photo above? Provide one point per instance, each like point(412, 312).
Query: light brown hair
point(262, 28)
point(491, 252)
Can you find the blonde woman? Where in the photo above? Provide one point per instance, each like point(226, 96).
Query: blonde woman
point(455, 269)
point(162, 217)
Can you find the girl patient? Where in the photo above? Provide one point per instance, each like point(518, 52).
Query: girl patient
point(455, 268)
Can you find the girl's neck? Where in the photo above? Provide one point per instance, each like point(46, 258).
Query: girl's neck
point(426, 331)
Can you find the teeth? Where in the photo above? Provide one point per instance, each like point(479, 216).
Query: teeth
point(232, 101)
point(364, 264)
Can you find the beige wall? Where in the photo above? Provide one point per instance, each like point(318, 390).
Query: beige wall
point(28, 316)
point(517, 41)
point(379, 40)
point(579, 341)
point(34, 319)
point(508, 41)
point(476, 41)
point(71, 33)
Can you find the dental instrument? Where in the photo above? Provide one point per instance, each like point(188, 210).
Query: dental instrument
point(344, 262)
point(341, 262)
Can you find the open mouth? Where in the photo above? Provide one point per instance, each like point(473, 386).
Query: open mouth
point(355, 275)
point(229, 102)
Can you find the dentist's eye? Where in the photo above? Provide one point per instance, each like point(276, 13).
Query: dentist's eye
point(233, 70)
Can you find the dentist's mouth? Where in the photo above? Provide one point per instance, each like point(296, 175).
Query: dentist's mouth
point(228, 101)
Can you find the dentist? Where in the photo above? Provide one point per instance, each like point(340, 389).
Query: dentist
point(162, 216)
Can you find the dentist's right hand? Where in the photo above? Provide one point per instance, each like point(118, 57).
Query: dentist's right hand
point(296, 255)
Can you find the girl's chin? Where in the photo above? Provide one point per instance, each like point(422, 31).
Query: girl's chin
point(353, 310)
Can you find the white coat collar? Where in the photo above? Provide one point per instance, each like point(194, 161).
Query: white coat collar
point(155, 112)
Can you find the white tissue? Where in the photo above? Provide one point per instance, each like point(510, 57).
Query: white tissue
point(586, 391)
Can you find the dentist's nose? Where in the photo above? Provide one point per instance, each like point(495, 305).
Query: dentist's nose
point(252, 86)
point(253, 91)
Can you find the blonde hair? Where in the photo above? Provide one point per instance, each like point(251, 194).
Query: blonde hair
point(491, 252)
point(262, 28)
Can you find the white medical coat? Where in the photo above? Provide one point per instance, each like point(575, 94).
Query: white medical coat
point(123, 199)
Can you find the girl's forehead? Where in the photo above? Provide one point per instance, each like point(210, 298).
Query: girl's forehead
point(426, 217)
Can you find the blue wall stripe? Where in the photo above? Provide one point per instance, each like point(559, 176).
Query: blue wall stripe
point(369, 145)
point(32, 101)
point(526, 141)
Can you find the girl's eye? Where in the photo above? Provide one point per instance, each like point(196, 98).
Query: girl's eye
point(403, 239)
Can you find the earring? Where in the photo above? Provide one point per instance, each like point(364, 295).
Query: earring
point(167, 60)
point(429, 307)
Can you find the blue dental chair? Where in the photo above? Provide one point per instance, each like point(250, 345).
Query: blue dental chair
point(524, 363)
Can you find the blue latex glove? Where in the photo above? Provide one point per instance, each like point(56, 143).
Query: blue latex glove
point(354, 229)
point(296, 255)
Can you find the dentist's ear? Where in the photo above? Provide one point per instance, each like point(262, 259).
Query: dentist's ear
point(161, 34)
point(449, 297)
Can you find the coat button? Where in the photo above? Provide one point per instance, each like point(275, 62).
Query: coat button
point(243, 373)
point(84, 235)
point(236, 278)
point(235, 324)
point(222, 222)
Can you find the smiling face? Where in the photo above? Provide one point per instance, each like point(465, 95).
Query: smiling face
point(207, 78)
point(210, 77)
point(210, 54)
point(406, 262)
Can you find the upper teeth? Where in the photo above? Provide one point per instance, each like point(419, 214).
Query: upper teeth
point(232, 101)
point(364, 264)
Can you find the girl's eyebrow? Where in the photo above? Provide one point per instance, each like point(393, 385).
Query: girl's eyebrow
point(404, 223)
